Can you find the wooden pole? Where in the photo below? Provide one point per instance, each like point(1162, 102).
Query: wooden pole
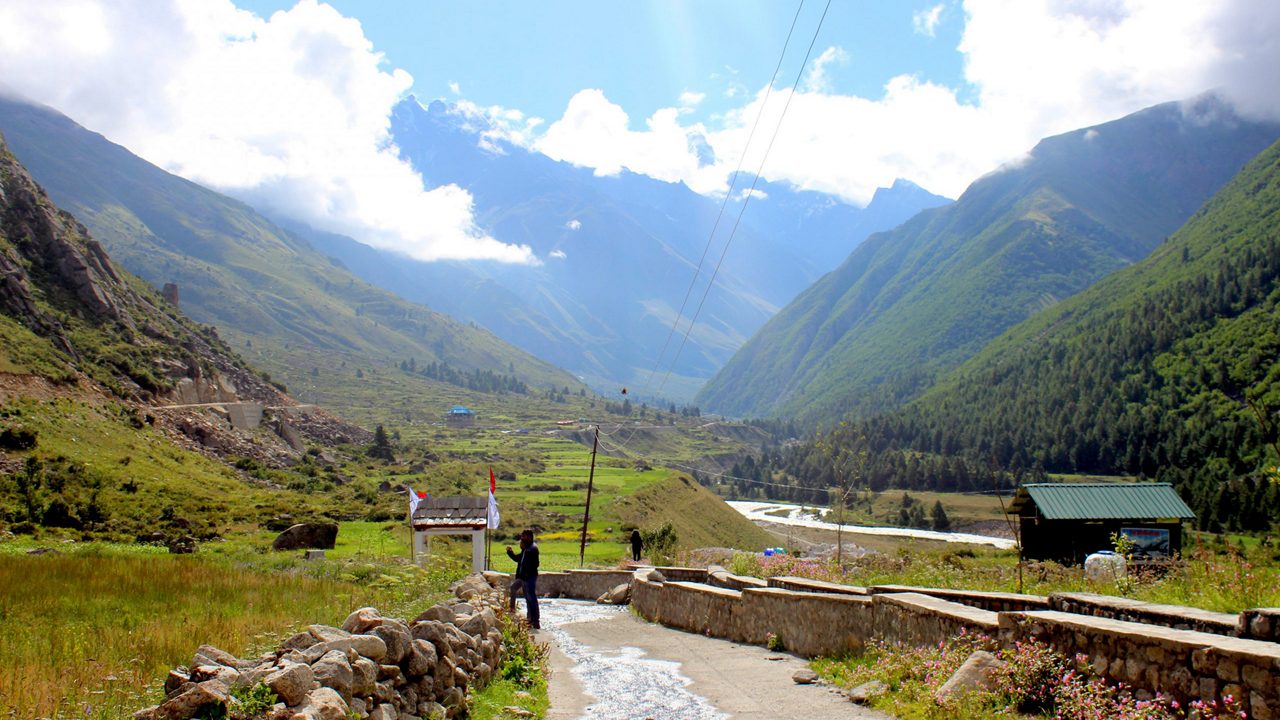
point(586, 513)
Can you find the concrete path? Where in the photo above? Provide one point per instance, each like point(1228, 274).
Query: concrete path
point(607, 664)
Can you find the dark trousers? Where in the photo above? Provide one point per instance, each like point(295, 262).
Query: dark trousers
point(529, 587)
point(635, 553)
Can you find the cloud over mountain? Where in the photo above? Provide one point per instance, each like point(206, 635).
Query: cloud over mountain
point(1033, 68)
point(289, 112)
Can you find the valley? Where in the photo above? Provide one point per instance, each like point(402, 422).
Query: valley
point(275, 287)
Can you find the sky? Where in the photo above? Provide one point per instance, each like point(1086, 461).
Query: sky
point(286, 103)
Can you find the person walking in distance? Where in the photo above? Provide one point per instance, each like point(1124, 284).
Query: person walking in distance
point(526, 577)
point(636, 545)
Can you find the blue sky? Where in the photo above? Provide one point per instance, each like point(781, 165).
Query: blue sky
point(286, 103)
point(536, 55)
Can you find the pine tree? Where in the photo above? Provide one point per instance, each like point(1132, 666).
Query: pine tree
point(939, 515)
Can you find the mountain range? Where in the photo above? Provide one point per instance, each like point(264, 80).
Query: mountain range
point(913, 303)
point(1165, 369)
point(618, 253)
point(236, 269)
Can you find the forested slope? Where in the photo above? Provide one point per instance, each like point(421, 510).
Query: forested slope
point(910, 305)
point(1167, 369)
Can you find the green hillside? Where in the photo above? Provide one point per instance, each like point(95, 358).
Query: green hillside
point(234, 268)
point(1166, 369)
point(913, 303)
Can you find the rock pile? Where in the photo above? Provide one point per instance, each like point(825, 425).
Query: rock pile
point(372, 667)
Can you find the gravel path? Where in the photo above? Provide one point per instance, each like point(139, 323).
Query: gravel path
point(607, 664)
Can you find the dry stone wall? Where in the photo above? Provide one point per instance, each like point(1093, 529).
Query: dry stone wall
point(372, 668)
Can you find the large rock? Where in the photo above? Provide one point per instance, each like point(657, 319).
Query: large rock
point(291, 683)
point(479, 624)
point(437, 613)
point(334, 671)
point(320, 536)
point(396, 637)
point(362, 621)
point(472, 586)
point(422, 658)
point(364, 677)
point(187, 701)
point(619, 595)
point(323, 704)
point(977, 673)
point(370, 646)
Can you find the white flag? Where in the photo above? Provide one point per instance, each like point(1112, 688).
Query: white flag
point(413, 502)
point(494, 516)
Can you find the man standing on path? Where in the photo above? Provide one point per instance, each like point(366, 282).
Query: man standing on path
point(526, 577)
point(636, 544)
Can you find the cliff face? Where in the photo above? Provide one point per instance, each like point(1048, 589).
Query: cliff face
point(110, 330)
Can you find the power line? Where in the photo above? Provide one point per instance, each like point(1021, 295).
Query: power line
point(750, 193)
point(733, 180)
point(746, 199)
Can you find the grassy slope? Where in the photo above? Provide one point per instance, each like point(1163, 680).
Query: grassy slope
point(699, 517)
point(910, 304)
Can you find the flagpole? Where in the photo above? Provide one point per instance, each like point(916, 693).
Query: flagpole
point(413, 538)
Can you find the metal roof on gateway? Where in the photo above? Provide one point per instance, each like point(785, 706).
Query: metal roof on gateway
point(1103, 501)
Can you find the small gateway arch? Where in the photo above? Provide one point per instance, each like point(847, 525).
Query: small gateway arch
point(455, 515)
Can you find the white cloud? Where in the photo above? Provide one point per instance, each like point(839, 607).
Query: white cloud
point(1034, 68)
point(595, 132)
point(754, 194)
point(290, 112)
point(925, 22)
point(455, 88)
point(690, 99)
point(816, 79)
point(557, 254)
point(574, 224)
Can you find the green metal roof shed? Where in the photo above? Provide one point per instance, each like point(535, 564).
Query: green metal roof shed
point(1102, 501)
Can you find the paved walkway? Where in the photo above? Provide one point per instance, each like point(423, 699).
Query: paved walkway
point(607, 664)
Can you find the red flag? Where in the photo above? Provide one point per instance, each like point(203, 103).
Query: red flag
point(493, 482)
point(422, 494)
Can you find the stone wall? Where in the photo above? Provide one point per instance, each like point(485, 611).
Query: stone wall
point(800, 584)
point(723, 578)
point(916, 619)
point(1121, 608)
point(807, 623)
point(993, 601)
point(1184, 664)
point(1260, 624)
point(371, 667)
point(812, 618)
point(576, 584)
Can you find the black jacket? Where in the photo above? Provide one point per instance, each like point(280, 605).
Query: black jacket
point(526, 562)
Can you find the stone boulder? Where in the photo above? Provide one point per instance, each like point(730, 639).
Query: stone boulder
point(977, 673)
point(320, 536)
point(291, 683)
point(619, 595)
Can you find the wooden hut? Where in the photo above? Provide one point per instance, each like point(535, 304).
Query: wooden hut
point(1068, 521)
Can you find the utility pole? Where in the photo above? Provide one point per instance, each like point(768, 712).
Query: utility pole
point(586, 513)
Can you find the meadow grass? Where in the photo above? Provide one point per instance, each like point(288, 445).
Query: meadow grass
point(91, 633)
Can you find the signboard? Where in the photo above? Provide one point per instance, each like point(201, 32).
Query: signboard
point(1148, 542)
